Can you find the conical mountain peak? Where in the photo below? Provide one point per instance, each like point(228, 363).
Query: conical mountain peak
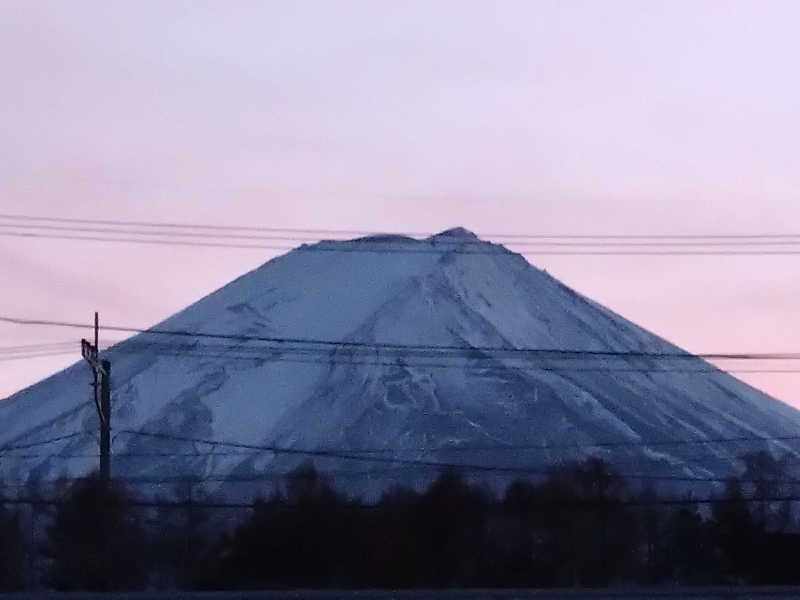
point(456, 233)
point(425, 349)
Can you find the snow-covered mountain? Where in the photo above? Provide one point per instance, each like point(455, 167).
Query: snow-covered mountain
point(441, 361)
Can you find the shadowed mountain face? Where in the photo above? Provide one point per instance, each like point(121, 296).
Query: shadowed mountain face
point(386, 352)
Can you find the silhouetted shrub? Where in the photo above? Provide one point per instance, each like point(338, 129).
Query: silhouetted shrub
point(12, 554)
point(96, 541)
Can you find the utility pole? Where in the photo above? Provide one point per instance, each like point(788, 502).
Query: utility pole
point(101, 370)
point(105, 423)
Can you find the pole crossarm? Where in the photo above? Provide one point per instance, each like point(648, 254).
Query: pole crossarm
point(90, 354)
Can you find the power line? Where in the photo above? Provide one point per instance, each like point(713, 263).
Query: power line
point(375, 249)
point(47, 346)
point(60, 438)
point(31, 355)
point(181, 234)
point(457, 242)
point(516, 448)
point(606, 444)
point(471, 368)
point(144, 241)
point(41, 350)
point(367, 232)
point(40, 346)
point(403, 362)
point(356, 456)
point(483, 363)
point(445, 351)
point(424, 450)
point(306, 351)
point(311, 342)
point(320, 453)
point(263, 477)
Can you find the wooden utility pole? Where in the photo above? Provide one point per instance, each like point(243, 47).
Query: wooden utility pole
point(96, 350)
point(101, 370)
point(105, 422)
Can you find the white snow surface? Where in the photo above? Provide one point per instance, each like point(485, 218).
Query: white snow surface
point(474, 407)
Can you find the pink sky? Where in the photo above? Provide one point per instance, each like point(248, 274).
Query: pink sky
point(518, 117)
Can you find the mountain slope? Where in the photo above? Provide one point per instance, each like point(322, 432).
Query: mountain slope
point(428, 368)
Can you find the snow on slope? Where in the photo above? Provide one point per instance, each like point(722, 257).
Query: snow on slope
point(484, 408)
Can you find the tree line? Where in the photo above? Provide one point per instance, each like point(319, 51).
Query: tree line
point(580, 526)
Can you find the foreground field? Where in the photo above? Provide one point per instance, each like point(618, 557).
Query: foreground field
point(708, 593)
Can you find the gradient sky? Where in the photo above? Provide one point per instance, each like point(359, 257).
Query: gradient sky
point(519, 117)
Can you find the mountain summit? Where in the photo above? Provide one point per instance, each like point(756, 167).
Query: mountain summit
point(456, 233)
point(382, 357)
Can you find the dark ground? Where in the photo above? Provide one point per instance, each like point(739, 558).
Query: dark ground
point(708, 593)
